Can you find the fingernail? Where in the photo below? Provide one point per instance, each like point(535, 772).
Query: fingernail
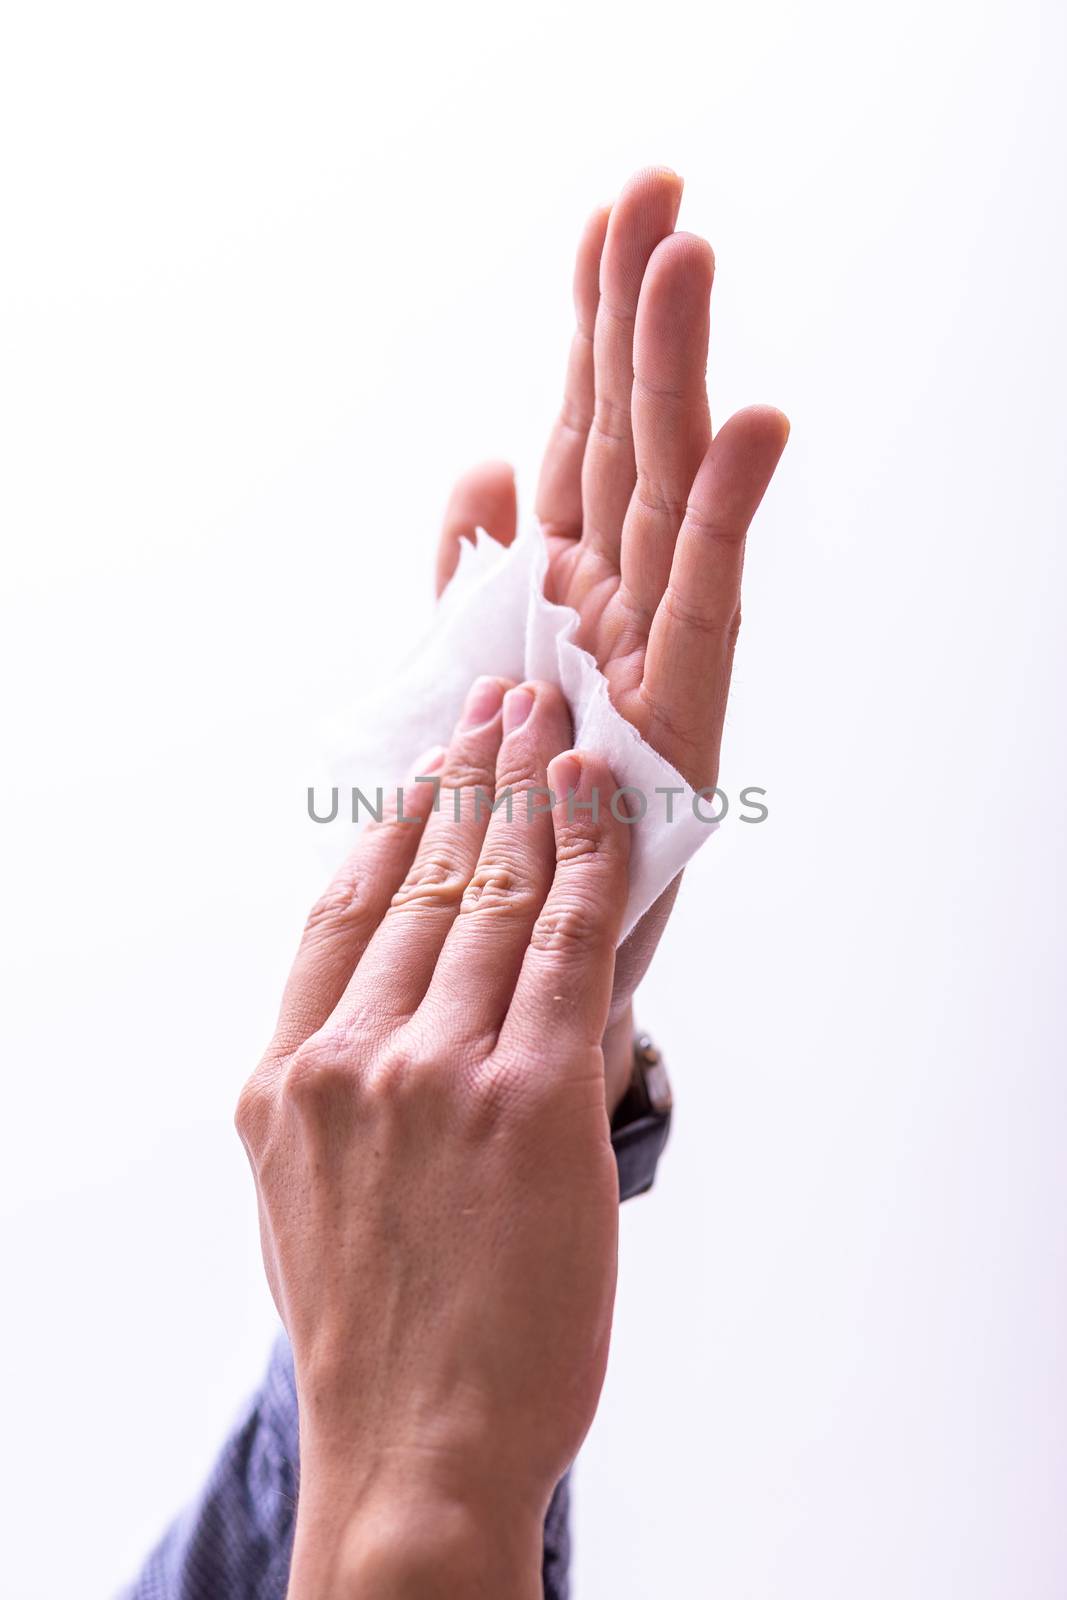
point(430, 761)
point(518, 703)
point(564, 775)
point(483, 702)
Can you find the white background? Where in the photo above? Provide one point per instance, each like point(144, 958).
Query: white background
point(272, 275)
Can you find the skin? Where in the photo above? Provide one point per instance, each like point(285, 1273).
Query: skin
point(438, 1197)
point(428, 1130)
point(645, 512)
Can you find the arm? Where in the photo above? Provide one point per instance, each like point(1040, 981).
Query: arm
point(613, 444)
point(438, 1196)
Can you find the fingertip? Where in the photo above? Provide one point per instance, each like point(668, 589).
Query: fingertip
point(656, 176)
point(678, 281)
point(649, 200)
point(518, 703)
point(767, 421)
point(585, 793)
point(483, 704)
point(596, 774)
point(755, 433)
point(493, 471)
point(429, 762)
point(688, 250)
point(564, 774)
point(774, 423)
point(489, 493)
point(484, 497)
point(666, 182)
point(586, 284)
point(544, 706)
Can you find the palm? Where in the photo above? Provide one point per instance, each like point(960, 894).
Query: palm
point(645, 515)
point(609, 629)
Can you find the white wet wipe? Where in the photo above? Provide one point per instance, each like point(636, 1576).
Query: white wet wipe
point(494, 619)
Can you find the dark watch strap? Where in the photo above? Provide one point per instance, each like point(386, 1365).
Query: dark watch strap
point(642, 1120)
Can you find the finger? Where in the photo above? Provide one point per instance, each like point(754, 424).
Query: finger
point(559, 489)
point(691, 642)
point(396, 969)
point(672, 428)
point(483, 498)
point(344, 919)
point(475, 974)
point(644, 213)
point(560, 1005)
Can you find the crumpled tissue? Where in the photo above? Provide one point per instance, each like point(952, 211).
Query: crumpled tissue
point(494, 619)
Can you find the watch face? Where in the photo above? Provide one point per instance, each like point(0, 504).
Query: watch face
point(649, 1068)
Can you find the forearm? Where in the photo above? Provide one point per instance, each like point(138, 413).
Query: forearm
point(618, 1050)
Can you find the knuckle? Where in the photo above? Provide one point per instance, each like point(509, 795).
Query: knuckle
point(665, 393)
point(623, 315)
point(568, 928)
point(318, 1075)
point(252, 1111)
point(611, 420)
point(363, 1021)
point(434, 881)
point(382, 1083)
point(655, 496)
point(581, 844)
point(715, 622)
point(394, 1065)
point(381, 832)
point(405, 1082)
point(516, 771)
point(340, 905)
point(575, 417)
point(712, 529)
point(468, 770)
point(634, 617)
point(497, 889)
point(683, 728)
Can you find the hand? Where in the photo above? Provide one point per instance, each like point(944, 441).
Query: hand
point(437, 1192)
point(644, 512)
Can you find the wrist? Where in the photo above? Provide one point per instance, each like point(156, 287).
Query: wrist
point(444, 1551)
point(399, 1536)
point(618, 1048)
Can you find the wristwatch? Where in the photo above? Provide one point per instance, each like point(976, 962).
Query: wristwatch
point(642, 1120)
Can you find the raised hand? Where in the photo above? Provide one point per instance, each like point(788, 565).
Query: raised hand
point(645, 512)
